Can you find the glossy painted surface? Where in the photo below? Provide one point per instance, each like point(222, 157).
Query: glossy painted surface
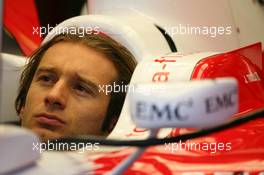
point(246, 66)
point(23, 24)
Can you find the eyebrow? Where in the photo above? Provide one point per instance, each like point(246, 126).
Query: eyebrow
point(76, 76)
point(46, 69)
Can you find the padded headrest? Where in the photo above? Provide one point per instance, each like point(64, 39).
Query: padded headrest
point(140, 36)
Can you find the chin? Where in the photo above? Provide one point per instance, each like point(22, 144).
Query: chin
point(46, 134)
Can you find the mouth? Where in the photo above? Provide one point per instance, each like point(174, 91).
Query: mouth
point(47, 119)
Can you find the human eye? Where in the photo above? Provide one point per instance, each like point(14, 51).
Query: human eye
point(46, 79)
point(82, 89)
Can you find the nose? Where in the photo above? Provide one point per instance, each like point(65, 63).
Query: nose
point(57, 96)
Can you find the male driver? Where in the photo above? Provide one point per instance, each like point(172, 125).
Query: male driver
point(59, 93)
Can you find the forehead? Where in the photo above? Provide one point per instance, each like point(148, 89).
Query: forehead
point(71, 58)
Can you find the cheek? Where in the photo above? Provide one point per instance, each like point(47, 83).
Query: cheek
point(88, 118)
point(91, 111)
point(35, 94)
point(30, 100)
point(33, 100)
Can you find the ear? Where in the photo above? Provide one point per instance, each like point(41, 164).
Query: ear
point(21, 113)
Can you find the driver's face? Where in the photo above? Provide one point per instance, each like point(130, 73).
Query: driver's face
point(64, 97)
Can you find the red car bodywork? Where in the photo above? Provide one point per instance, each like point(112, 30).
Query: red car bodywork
point(245, 153)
